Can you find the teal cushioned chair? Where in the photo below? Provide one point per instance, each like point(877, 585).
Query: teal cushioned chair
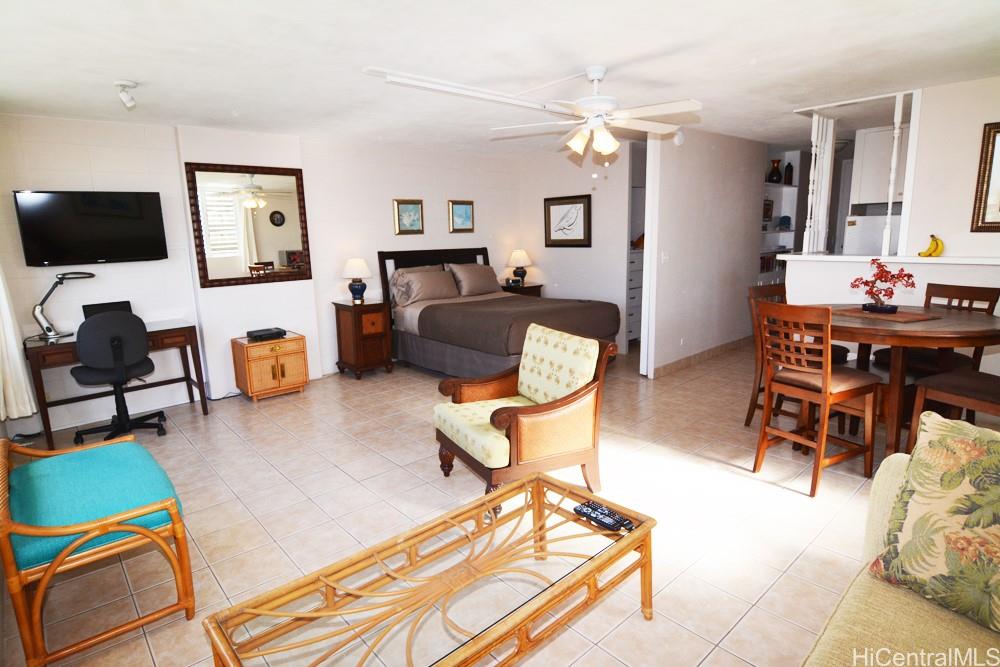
point(66, 509)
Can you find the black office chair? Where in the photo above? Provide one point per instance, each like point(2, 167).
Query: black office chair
point(113, 349)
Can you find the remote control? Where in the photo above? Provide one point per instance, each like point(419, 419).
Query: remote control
point(603, 516)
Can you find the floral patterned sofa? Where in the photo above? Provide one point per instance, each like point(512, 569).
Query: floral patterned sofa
point(933, 531)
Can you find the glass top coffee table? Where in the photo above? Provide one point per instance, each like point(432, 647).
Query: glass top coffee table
point(462, 589)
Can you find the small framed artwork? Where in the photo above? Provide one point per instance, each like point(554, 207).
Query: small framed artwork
point(460, 216)
point(986, 209)
point(567, 222)
point(408, 216)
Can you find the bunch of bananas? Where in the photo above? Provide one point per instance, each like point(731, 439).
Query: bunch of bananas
point(934, 249)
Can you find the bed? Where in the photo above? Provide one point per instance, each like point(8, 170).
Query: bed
point(472, 336)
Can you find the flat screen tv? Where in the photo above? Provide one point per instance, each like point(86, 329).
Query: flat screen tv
point(60, 228)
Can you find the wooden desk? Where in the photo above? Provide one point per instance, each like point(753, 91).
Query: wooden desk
point(170, 334)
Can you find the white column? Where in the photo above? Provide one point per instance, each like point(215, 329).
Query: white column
point(807, 233)
point(897, 122)
point(651, 254)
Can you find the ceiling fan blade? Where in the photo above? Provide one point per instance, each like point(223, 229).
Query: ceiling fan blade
point(441, 86)
point(644, 125)
point(662, 109)
point(549, 122)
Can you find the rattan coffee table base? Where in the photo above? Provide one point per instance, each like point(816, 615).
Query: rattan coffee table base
point(382, 598)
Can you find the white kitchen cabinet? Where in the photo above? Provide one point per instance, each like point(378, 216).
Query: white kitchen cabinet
point(872, 156)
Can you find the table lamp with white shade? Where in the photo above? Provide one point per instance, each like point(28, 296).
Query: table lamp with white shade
point(356, 269)
point(519, 259)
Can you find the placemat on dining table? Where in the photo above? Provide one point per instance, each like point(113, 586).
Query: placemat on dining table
point(903, 316)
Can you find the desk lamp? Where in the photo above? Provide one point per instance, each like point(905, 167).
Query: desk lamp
point(48, 331)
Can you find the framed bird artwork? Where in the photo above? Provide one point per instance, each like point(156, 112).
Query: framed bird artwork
point(567, 222)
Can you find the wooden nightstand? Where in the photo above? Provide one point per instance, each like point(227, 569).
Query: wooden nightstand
point(528, 289)
point(270, 367)
point(364, 339)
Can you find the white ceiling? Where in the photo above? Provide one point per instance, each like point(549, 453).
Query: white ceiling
point(296, 66)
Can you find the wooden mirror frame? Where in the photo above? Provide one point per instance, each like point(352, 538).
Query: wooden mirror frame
point(190, 168)
point(986, 156)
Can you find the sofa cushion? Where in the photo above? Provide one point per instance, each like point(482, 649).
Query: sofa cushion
point(84, 486)
point(874, 616)
point(468, 426)
point(554, 363)
point(943, 538)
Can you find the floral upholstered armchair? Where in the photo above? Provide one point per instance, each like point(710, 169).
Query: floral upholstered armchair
point(541, 415)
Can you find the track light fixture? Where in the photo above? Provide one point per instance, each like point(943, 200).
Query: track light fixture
point(124, 86)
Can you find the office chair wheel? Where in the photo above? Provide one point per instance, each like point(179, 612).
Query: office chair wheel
point(78, 439)
point(161, 431)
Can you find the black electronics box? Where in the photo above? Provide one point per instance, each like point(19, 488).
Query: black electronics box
point(265, 334)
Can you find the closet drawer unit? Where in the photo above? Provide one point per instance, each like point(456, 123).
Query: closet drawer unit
point(634, 300)
point(270, 367)
point(635, 260)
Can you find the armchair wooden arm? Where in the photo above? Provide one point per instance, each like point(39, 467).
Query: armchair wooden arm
point(468, 390)
point(11, 448)
point(536, 432)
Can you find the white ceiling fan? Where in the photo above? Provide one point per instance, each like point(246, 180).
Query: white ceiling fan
point(591, 115)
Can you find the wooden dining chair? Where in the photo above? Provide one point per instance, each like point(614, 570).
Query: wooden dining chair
point(774, 293)
point(798, 364)
point(969, 389)
point(926, 361)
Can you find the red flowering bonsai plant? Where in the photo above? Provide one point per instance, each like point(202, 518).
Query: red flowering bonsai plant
point(879, 287)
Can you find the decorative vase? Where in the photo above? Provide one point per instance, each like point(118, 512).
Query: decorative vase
point(357, 289)
point(882, 308)
point(789, 173)
point(774, 175)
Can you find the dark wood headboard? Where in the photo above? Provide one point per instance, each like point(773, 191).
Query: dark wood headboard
point(402, 259)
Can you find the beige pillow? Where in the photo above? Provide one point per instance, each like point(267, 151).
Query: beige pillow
point(425, 285)
point(398, 274)
point(474, 279)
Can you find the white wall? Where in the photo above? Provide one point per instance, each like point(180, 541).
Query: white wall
point(949, 137)
point(57, 154)
point(349, 193)
point(598, 272)
point(271, 239)
point(708, 240)
point(228, 312)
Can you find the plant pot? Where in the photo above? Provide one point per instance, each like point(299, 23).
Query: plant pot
point(885, 309)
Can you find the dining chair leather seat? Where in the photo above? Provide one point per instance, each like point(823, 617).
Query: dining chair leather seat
point(926, 361)
point(966, 382)
point(841, 379)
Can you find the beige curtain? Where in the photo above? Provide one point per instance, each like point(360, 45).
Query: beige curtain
point(249, 238)
point(16, 397)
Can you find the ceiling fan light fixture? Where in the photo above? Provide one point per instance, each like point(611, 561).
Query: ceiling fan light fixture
point(578, 144)
point(605, 142)
point(254, 201)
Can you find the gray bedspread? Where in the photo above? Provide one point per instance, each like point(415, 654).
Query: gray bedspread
point(498, 326)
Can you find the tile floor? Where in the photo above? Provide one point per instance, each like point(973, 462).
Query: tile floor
point(747, 567)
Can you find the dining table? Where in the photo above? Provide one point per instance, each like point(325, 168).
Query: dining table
point(936, 327)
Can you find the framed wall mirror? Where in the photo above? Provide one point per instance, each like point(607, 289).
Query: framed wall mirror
point(249, 224)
